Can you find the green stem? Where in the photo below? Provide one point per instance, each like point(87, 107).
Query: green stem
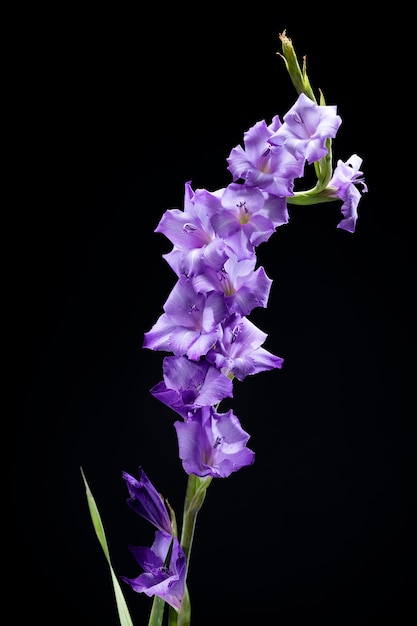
point(312, 196)
point(157, 612)
point(194, 498)
point(172, 616)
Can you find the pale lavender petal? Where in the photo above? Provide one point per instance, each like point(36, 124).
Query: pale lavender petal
point(159, 336)
point(182, 230)
point(276, 209)
point(184, 305)
point(214, 312)
point(238, 163)
point(252, 293)
point(217, 387)
point(349, 209)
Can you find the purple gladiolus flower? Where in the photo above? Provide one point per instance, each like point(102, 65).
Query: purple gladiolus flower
point(146, 501)
point(196, 244)
point(272, 169)
point(167, 581)
point(190, 323)
point(189, 385)
point(247, 216)
point(240, 350)
point(306, 128)
point(213, 444)
point(344, 180)
point(244, 287)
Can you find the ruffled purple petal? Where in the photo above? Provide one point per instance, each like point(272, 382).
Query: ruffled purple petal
point(189, 385)
point(213, 444)
point(159, 579)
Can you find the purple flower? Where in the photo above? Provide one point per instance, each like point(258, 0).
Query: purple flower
point(345, 177)
point(146, 501)
point(189, 385)
point(306, 128)
point(190, 323)
point(247, 216)
point(272, 169)
point(244, 287)
point(192, 234)
point(213, 444)
point(167, 581)
point(240, 352)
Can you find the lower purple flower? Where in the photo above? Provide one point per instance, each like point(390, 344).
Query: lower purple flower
point(146, 501)
point(213, 444)
point(160, 578)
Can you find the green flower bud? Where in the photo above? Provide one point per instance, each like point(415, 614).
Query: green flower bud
point(298, 76)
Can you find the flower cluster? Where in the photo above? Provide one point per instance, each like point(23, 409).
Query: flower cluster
point(205, 320)
point(205, 326)
point(164, 562)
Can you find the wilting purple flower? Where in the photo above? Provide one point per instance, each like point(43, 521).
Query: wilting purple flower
point(189, 385)
point(146, 501)
point(213, 444)
point(240, 352)
point(196, 244)
point(190, 323)
point(272, 169)
point(244, 287)
point(167, 581)
point(306, 128)
point(344, 180)
point(247, 216)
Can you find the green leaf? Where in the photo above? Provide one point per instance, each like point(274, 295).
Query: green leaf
point(124, 615)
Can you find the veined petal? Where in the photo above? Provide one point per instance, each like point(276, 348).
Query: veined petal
point(213, 444)
point(189, 385)
point(203, 343)
point(237, 352)
point(159, 336)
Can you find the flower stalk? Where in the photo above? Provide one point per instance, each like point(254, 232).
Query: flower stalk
point(205, 322)
point(194, 498)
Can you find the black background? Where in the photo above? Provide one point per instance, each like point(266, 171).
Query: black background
point(114, 111)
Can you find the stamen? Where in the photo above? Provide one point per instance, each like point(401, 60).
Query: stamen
point(222, 274)
point(189, 228)
point(235, 331)
point(242, 205)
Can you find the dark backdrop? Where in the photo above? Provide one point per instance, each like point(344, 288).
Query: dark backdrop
point(115, 111)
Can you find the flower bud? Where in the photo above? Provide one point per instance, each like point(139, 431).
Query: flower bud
point(298, 76)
